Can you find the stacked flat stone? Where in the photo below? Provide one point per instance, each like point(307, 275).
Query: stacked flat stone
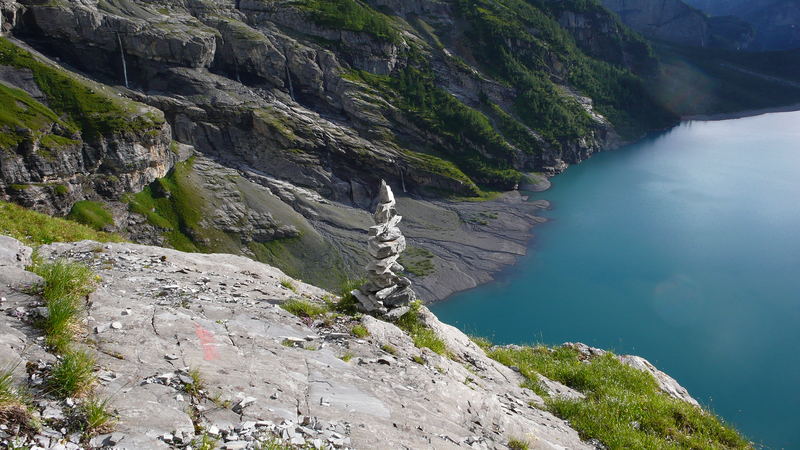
point(385, 290)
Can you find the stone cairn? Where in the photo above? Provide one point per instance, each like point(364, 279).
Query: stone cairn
point(384, 290)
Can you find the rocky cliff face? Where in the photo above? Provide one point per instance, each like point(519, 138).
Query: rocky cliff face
point(311, 103)
point(64, 138)
point(264, 375)
point(669, 20)
point(679, 22)
point(774, 22)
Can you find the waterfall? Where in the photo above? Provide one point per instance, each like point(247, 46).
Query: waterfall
point(402, 179)
point(289, 78)
point(122, 55)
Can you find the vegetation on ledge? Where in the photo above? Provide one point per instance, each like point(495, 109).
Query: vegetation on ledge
point(351, 15)
point(91, 213)
point(83, 106)
point(33, 228)
point(623, 407)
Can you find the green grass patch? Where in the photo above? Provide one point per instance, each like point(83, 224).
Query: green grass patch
point(624, 407)
point(304, 308)
point(20, 110)
point(422, 336)
point(174, 204)
point(66, 284)
point(351, 15)
point(359, 331)
point(93, 214)
point(73, 375)
point(417, 261)
point(347, 356)
point(33, 228)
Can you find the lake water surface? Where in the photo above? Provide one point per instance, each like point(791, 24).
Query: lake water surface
point(684, 249)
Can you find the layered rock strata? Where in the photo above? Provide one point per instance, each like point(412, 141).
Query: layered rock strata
point(385, 289)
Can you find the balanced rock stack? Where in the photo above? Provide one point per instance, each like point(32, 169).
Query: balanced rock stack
point(385, 290)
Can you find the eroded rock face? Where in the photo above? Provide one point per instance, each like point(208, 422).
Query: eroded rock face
point(385, 290)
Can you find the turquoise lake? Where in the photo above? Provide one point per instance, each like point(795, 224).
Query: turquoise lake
point(684, 249)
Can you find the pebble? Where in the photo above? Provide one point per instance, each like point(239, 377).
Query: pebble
point(116, 325)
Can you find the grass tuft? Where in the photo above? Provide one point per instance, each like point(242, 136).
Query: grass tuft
point(65, 286)
point(289, 284)
point(359, 331)
point(304, 308)
point(388, 348)
point(73, 375)
point(422, 336)
point(347, 356)
point(97, 418)
point(517, 444)
point(347, 303)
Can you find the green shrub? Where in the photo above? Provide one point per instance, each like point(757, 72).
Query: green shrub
point(195, 388)
point(624, 407)
point(73, 375)
point(34, 228)
point(91, 213)
point(304, 308)
point(347, 303)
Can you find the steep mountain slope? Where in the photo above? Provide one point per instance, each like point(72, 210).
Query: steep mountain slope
point(308, 104)
point(776, 22)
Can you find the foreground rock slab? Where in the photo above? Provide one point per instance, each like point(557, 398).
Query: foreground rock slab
point(266, 372)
